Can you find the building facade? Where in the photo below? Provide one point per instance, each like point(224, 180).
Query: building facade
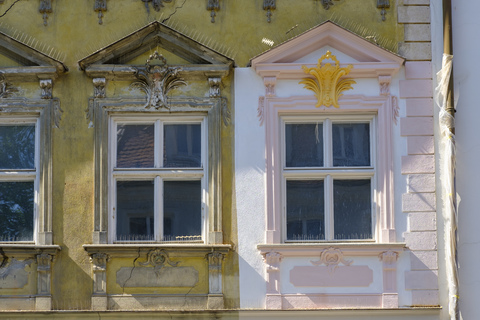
point(221, 159)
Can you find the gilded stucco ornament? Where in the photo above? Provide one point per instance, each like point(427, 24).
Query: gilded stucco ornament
point(157, 80)
point(326, 84)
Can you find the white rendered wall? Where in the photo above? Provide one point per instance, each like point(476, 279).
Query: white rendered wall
point(466, 27)
point(250, 185)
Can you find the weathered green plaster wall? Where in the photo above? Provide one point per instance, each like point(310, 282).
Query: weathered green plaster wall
point(73, 33)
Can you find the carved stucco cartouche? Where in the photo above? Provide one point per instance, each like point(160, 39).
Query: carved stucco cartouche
point(332, 257)
point(157, 80)
point(326, 84)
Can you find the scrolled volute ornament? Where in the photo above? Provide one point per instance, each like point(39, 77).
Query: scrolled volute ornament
point(157, 81)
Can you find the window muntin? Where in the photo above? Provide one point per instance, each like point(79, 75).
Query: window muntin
point(159, 190)
point(330, 199)
point(19, 178)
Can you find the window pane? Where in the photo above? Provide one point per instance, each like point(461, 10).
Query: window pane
point(304, 145)
point(352, 203)
point(17, 146)
point(135, 219)
point(135, 146)
point(16, 211)
point(305, 210)
point(182, 209)
point(351, 144)
point(182, 145)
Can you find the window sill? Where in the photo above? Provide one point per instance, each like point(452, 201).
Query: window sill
point(27, 250)
point(347, 248)
point(132, 249)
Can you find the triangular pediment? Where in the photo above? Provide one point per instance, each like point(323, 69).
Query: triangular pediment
point(29, 63)
point(368, 59)
point(127, 51)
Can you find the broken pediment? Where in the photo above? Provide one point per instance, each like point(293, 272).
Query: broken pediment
point(117, 59)
point(29, 63)
point(286, 60)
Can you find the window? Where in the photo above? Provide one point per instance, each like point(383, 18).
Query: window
point(158, 178)
point(19, 178)
point(328, 177)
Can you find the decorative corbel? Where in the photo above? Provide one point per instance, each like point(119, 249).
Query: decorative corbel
point(273, 259)
point(384, 82)
point(390, 294)
point(214, 84)
point(99, 87)
point(269, 5)
point(383, 4)
point(99, 268)
point(100, 7)
point(44, 264)
point(45, 9)
point(156, 4)
point(270, 83)
point(46, 85)
point(215, 260)
point(213, 6)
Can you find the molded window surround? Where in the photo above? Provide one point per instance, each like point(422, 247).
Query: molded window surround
point(378, 108)
point(202, 112)
point(40, 114)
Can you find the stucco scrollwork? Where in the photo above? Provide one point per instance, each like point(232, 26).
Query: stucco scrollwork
point(158, 258)
point(156, 4)
point(384, 82)
point(395, 109)
point(326, 84)
point(388, 257)
point(332, 257)
point(157, 80)
point(6, 89)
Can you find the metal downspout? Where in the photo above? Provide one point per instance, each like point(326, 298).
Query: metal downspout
point(447, 120)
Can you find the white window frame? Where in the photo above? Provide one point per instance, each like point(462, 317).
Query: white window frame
point(158, 174)
point(328, 172)
point(352, 105)
point(20, 175)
